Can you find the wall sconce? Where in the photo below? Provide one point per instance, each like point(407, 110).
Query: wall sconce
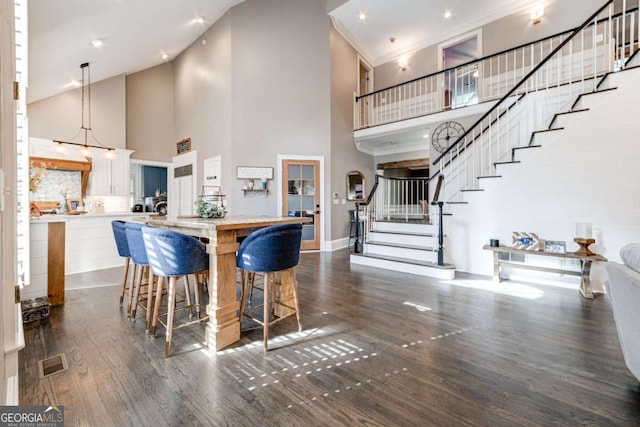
point(403, 62)
point(537, 13)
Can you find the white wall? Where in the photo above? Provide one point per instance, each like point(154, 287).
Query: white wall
point(586, 173)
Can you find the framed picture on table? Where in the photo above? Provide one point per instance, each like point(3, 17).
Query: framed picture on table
point(555, 247)
point(73, 204)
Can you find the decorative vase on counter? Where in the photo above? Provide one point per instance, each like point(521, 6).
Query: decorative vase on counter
point(63, 205)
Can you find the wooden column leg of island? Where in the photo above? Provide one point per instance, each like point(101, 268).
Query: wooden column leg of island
point(223, 328)
point(55, 263)
point(284, 292)
point(585, 280)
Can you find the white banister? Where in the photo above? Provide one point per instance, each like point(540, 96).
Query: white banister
point(571, 65)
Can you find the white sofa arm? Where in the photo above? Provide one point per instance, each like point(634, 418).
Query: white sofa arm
point(624, 292)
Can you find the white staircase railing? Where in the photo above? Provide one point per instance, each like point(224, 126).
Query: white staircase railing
point(491, 77)
point(573, 67)
point(401, 199)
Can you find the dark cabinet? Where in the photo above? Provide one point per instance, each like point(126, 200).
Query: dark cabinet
point(154, 179)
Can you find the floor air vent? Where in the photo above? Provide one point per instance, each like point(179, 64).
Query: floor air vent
point(52, 365)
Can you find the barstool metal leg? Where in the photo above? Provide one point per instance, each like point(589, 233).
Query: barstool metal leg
point(252, 279)
point(156, 308)
point(127, 261)
point(132, 287)
point(244, 284)
point(294, 289)
point(136, 297)
point(187, 292)
point(197, 295)
point(171, 306)
point(150, 291)
point(267, 309)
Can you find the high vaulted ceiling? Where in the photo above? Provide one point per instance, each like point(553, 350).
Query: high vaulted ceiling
point(136, 33)
point(414, 24)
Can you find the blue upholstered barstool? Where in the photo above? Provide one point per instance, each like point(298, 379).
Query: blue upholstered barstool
point(141, 263)
point(123, 250)
point(173, 255)
point(270, 250)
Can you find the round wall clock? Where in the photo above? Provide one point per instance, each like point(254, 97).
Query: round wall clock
point(446, 134)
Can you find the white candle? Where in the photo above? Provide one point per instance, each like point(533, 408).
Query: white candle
point(583, 230)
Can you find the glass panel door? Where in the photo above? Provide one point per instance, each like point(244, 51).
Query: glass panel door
point(302, 183)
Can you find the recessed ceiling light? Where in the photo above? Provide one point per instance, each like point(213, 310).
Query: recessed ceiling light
point(363, 16)
point(426, 135)
point(199, 20)
point(447, 14)
point(165, 56)
point(97, 43)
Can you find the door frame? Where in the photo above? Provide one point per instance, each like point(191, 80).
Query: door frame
point(364, 63)
point(477, 34)
point(11, 328)
point(459, 39)
point(280, 200)
point(139, 162)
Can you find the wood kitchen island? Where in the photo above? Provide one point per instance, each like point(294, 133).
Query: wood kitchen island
point(69, 244)
point(222, 235)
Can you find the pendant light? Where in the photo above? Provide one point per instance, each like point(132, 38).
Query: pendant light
point(85, 127)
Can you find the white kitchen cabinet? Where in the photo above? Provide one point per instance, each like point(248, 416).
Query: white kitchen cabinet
point(110, 177)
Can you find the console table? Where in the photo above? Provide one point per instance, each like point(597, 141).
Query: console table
point(584, 273)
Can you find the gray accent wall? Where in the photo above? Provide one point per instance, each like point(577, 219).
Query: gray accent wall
point(149, 107)
point(280, 90)
point(202, 96)
point(344, 155)
point(258, 88)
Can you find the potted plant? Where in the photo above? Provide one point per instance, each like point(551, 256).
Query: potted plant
point(207, 209)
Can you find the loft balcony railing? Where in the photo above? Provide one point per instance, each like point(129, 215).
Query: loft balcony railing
point(574, 66)
point(492, 77)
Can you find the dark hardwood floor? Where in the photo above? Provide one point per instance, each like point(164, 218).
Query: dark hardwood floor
point(378, 348)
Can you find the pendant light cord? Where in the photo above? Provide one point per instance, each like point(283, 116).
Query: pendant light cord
point(87, 128)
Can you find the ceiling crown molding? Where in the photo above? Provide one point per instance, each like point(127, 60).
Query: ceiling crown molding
point(350, 38)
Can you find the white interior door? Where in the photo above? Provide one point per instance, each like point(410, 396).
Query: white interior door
point(212, 171)
point(182, 188)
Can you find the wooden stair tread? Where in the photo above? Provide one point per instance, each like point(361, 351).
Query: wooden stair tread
point(399, 245)
point(416, 220)
point(404, 233)
point(408, 261)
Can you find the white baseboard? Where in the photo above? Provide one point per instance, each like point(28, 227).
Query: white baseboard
point(334, 245)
